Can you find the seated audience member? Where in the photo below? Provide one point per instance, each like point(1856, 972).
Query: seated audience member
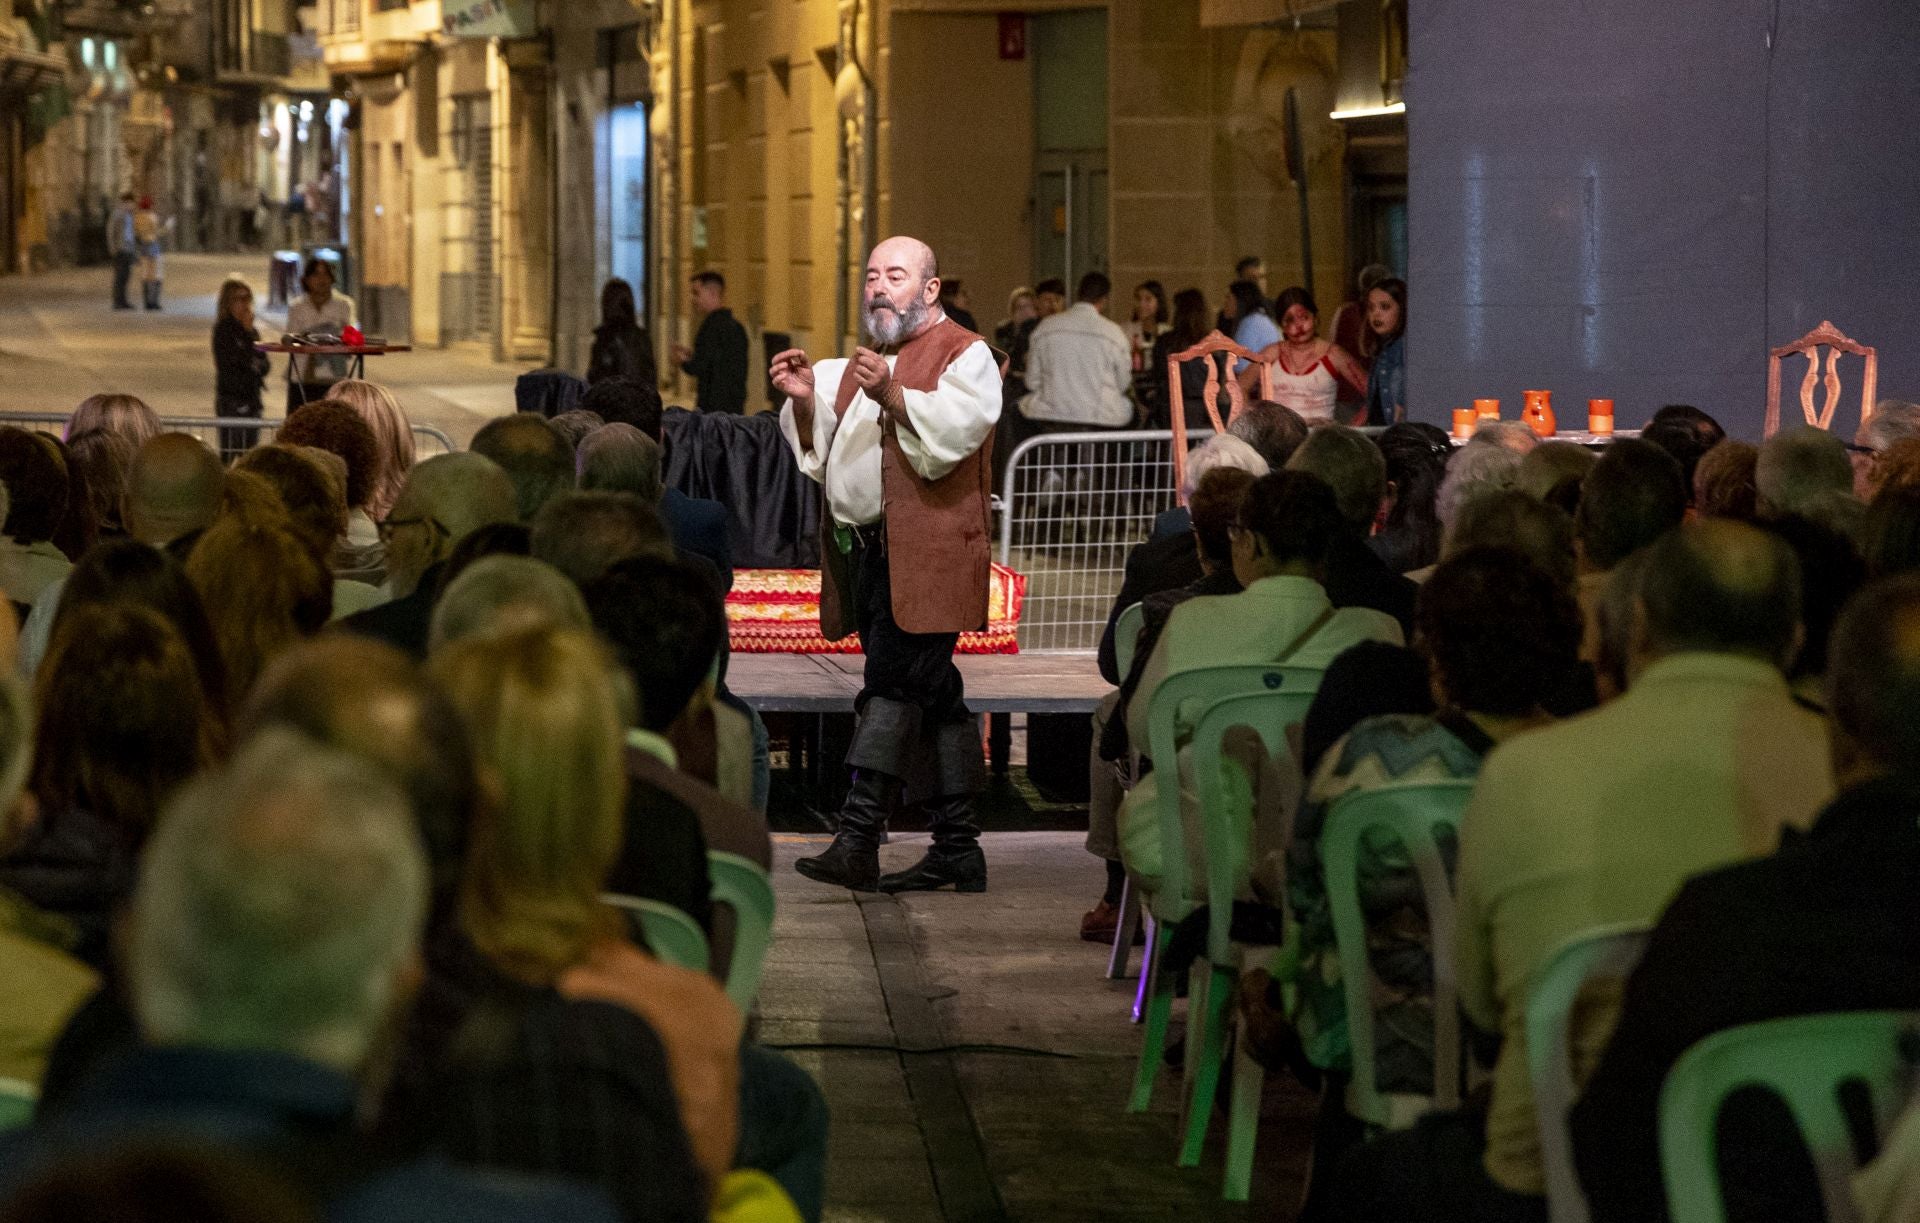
point(1826, 923)
point(1893, 421)
point(1634, 495)
point(1368, 680)
point(273, 936)
point(1612, 624)
point(1216, 507)
point(544, 715)
point(1897, 466)
point(263, 590)
point(121, 725)
point(499, 594)
point(159, 1181)
point(575, 425)
point(46, 983)
point(316, 505)
point(536, 458)
point(1686, 440)
point(1701, 424)
point(1352, 466)
point(1598, 820)
point(35, 476)
point(97, 466)
point(1409, 535)
point(1169, 562)
point(1274, 430)
point(620, 459)
point(127, 415)
point(392, 436)
point(1509, 518)
point(697, 526)
point(1830, 571)
point(1500, 638)
point(581, 534)
point(1797, 467)
point(1890, 540)
point(336, 426)
point(445, 499)
point(1554, 471)
point(1511, 435)
point(1473, 471)
point(1288, 523)
point(1723, 483)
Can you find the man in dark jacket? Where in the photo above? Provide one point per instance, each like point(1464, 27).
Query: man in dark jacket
point(718, 358)
point(1828, 923)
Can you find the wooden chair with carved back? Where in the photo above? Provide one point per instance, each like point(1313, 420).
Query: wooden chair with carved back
point(1828, 336)
point(1214, 342)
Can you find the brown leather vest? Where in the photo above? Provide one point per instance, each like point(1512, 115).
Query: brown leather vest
point(937, 530)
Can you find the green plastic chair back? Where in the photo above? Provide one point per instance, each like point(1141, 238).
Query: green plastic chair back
point(1410, 814)
point(1203, 686)
point(16, 1103)
point(1804, 1061)
point(1126, 636)
point(1226, 789)
point(742, 886)
point(670, 934)
point(1605, 951)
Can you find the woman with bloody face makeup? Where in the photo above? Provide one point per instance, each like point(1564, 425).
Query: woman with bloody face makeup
point(1307, 370)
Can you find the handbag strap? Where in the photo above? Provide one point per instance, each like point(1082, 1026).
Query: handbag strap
point(1306, 635)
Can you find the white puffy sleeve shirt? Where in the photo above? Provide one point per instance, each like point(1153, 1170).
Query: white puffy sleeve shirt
point(945, 425)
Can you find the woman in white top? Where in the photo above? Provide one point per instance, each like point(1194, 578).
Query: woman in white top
point(1307, 370)
point(319, 310)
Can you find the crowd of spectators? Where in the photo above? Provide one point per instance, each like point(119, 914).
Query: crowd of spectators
point(314, 769)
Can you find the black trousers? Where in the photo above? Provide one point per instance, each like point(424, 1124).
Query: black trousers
point(236, 442)
point(912, 668)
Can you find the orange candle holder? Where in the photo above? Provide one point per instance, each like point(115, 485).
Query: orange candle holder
point(1538, 413)
point(1464, 422)
point(1600, 417)
point(1487, 409)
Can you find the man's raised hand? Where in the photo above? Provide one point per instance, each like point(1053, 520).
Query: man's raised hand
point(870, 373)
point(792, 374)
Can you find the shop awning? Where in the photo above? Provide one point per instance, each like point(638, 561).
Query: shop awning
point(30, 71)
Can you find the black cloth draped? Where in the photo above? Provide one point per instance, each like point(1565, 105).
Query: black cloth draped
point(744, 463)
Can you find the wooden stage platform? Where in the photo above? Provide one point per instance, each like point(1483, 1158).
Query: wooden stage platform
point(996, 683)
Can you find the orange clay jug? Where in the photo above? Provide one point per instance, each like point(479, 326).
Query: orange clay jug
point(1538, 412)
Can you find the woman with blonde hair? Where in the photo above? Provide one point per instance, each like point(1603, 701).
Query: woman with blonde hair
point(126, 415)
point(544, 713)
point(393, 434)
point(263, 587)
point(239, 369)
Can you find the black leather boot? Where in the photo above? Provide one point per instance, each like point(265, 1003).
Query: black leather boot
point(853, 860)
point(954, 860)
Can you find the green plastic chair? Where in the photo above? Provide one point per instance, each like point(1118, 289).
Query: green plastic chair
point(1226, 807)
point(670, 934)
point(17, 1099)
point(1170, 902)
point(1410, 814)
point(1603, 952)
point(1126, 636)
point(1804, 1061)
point(742, 886)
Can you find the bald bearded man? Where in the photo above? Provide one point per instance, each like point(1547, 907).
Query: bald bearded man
point(898, 437)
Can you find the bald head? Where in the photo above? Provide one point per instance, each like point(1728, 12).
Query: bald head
point(902, 291)
point(173, 488)
point(445, 498)
point(1720, 587)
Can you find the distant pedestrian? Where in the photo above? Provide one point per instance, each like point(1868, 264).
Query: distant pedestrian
point(147, 235)
point(621, 346)
point(318, 312)
point(240, 371)
point(718, 358)
point(953, 299)
point(121, 245)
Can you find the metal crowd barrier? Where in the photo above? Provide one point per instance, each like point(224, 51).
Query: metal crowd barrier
point(1074, 505)
point(208, 428)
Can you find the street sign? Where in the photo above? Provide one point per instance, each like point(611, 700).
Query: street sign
point(488, 19)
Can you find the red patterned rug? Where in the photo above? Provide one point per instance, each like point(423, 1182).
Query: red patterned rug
point(777, 611)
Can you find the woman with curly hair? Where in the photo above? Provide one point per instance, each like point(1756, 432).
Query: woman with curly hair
point(335, 425)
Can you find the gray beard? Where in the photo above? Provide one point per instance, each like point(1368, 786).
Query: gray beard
point(886, 327)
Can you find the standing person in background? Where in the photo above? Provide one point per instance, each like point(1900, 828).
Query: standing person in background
point(621, 347)
point(319, 309)
point(1049, 299)
point(1308, 371)
point(1150, 319)
point(1078, 367)
point(1244, 316)
point(239, 372)
point(1350, 330)
point(147, 232)
point(1386, 305)
point(718, 358)
point(1190, 326)
point(954, 300)
point(1252, 269)
point(121, 245)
